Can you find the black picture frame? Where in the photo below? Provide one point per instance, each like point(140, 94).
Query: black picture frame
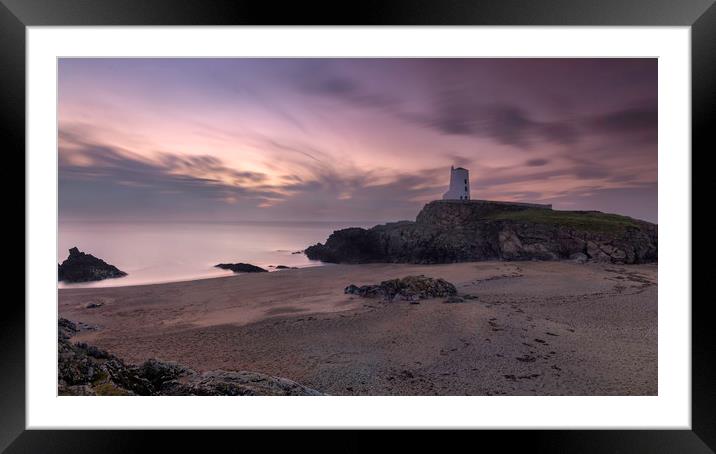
point(699, 15)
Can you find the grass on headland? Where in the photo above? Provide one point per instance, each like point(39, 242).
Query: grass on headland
point(593, 221)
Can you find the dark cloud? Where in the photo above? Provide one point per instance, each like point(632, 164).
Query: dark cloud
point(336, 86)
point(349, 90)
point(590, 171)
point(459, 110)
point(207, 164)
point(623, 178)
point(309, 152)
point(455, 112)
point(109, 179)
point(537, 162)
point(494, 178)
point(508, 124)
point(564, 133)
point(627, 120)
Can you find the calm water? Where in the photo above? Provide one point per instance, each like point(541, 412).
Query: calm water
point(153, 253)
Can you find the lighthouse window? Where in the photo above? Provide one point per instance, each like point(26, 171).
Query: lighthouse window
point(465, 180)
point(465, 188)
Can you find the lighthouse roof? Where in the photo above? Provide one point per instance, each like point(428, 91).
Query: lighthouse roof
point(460, 168)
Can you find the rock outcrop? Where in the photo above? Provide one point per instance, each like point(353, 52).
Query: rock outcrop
point(241, 268)
point(459, 231)
point(410, 288)
point(88, 371)
point(81, 267)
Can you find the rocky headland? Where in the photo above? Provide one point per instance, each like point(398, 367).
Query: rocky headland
point(462, 231)
point(82, 267)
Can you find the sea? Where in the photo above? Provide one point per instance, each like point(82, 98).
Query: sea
point(154, 252)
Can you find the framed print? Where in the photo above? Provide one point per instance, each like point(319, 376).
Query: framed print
point(419, 216)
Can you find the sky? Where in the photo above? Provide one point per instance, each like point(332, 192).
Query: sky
point(247, 139)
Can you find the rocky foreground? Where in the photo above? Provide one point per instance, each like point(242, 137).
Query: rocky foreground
point(88, 371)
point(82, 267)
point(463, 231)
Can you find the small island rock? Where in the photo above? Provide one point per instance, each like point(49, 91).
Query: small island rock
point(241, 268)
point(81, 267)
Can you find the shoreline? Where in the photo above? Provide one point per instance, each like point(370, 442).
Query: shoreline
point(534, 328)
point(84, 285)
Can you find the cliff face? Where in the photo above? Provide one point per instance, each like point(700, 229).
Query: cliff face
point(460, 231)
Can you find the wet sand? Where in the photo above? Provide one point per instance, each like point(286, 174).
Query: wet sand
point(535, 328)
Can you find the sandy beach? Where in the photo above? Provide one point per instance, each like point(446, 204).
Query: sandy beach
point(535, 328)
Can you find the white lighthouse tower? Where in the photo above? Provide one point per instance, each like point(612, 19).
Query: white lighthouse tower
point(459, 184)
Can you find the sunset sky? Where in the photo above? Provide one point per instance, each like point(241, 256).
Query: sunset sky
point(351, 139)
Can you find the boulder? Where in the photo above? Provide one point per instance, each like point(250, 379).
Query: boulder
point(82, 267)
point(410, 288)
point(241, 268)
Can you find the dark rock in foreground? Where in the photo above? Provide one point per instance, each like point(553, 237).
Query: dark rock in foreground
point(86, 370)
point(578, 257)
point(81, 267)
point(454, 299)
point(462, 231)
point(284, 267)
point(410, 288)
point(241, 268)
